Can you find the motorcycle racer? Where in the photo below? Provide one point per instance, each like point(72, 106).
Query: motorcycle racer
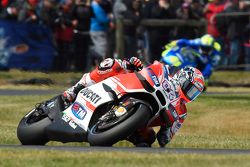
point(181, 85)
point(202, 53)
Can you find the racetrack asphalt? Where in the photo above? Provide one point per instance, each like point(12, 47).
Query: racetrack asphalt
point(130, 149)
point(12, 92)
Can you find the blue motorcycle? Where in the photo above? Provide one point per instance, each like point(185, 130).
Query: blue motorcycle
point(187, 56)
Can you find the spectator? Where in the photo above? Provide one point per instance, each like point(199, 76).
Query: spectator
point(185, 13)
point(119, 9)
point(64, 35)
point(98, 30)
point(108, 6)
point(196, 9)
point(132, 32)
point(176, 3)
point(48, 13)
point(4, 3)
point(82, 12)
point(158, 37)
point(28, 11)
point(233, 24)
point(211, 9)
point(247, 47)
point(10, 9)
point(244, 6)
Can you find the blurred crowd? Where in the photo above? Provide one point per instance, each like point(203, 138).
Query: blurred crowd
point(84, 30)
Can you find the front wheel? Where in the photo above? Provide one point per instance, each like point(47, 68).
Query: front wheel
point(31, 129)
point(111, 134)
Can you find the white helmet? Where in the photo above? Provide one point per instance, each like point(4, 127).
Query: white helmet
point(191, 82)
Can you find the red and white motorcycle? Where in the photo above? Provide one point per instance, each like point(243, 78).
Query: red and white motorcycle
point(102, 114)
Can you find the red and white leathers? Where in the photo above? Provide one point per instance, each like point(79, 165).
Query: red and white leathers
point(174, 116)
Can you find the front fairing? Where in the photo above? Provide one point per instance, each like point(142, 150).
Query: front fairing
point(88, 99)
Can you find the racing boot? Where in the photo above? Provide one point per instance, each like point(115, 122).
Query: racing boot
point(143, 138)
point(69, 95)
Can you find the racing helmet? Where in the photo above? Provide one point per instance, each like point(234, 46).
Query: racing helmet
point(191, 82)
point(207, 45)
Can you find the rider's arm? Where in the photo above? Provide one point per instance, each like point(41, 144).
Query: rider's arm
point(215, 58)
point(181, 43)
point(171, 131)
point(213, 63)
point(111, 67)
point(177, 123)
point(207, 71)
point(173, 124)
point(107, 68)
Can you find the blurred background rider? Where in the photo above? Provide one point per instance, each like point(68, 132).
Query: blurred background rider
point(202, 53)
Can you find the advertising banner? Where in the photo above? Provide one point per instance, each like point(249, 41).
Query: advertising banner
point(25, 46)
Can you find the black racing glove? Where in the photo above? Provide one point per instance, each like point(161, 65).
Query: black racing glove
point(134, 63)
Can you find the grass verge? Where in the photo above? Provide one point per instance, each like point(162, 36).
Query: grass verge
point(61, 80)
point(31, 158)
point(214, 121)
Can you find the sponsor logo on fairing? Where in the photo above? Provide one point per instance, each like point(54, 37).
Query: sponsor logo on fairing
point(153, 77)
point(79, 111)
point(92, 96)
point(104, 71)
point(67, 120)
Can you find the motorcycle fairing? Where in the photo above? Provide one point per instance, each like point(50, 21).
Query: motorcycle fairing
point(88, 99)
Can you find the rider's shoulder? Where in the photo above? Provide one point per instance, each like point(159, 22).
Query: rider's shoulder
point(217, 46)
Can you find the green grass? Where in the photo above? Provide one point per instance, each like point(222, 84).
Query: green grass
point(28, 158)
point(62, 80)
point(214, 121)
point(231, 77)
point(218, 121)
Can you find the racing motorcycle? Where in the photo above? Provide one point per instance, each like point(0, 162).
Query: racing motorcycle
point(182, 56)
point(101, 114)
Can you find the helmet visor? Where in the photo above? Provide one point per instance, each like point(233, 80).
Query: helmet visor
point(190, 90)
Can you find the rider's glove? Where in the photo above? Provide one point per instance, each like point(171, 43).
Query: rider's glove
point(164, 136)
point(134, 63)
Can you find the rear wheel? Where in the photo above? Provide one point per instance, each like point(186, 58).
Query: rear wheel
point(110, 131)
